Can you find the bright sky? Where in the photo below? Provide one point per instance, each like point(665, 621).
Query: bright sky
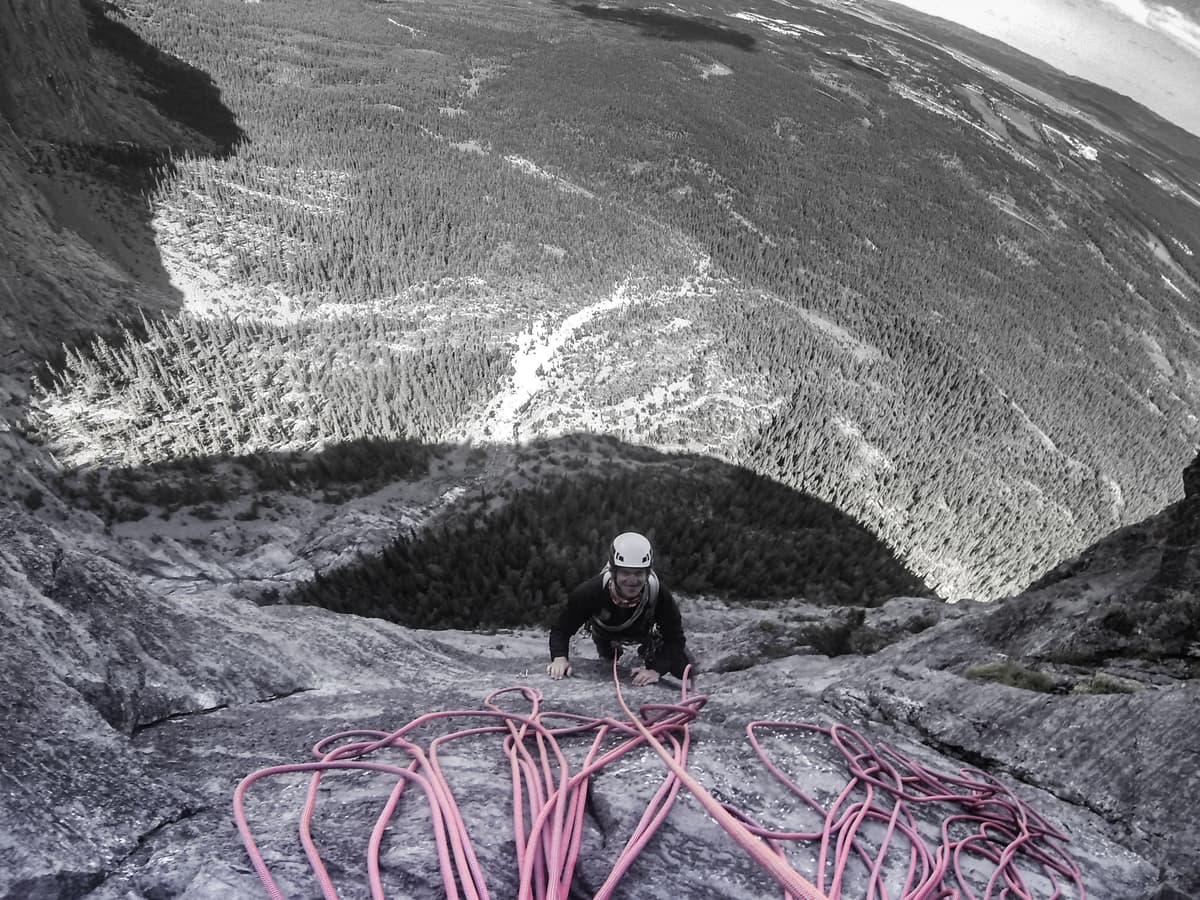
point(1146, 49)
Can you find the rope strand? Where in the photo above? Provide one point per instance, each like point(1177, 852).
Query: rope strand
point(868, 842)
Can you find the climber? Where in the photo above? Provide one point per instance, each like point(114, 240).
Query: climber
point(625, 603)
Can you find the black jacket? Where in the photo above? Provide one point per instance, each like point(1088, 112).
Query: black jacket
point(590, 601)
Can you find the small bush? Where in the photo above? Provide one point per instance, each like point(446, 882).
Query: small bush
point(1120, 621)
point(1014, 676)
point(737, 662)
point(249, 514)
point(128, 513)
point(921, 623)
point(1103, 684)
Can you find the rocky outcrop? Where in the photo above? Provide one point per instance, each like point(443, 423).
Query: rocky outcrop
point(45, 89)
point(93, 659)
point(1170, 600)
point(88, 114)
point(131, 716)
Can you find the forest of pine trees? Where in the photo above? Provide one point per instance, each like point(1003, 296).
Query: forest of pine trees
point(206, 387)
point(990, 391)
point(717, 528)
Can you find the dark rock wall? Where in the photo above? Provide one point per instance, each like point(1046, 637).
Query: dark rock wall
point(1169, 603)
point(46, 90)
point(90, 114)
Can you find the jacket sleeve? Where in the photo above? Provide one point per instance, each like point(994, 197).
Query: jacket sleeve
point(578, 609)
point(672, 656)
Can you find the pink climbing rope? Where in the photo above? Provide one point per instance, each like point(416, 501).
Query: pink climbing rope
point(992, 826)
point(867, 841)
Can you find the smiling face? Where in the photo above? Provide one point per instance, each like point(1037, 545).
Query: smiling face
point(629, 584)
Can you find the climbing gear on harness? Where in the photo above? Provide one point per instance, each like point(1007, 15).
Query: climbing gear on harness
point(610, 623)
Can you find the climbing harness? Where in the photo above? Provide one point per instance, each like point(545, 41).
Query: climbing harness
point(609, 630)
point(869, 844)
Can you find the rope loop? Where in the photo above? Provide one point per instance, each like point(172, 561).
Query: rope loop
point(865, 843)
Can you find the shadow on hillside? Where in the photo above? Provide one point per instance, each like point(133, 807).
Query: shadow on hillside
point(84, 257)
point(182, 93)
point(505, 551)
point(668, 26)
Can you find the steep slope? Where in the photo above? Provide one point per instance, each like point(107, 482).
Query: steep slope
point(131, 716)
point(91, 117)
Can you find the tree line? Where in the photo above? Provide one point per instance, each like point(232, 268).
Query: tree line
point(717, 529)
point(217, 386)
point(1002, 375)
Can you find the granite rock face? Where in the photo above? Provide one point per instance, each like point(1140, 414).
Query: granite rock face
point(130, 717)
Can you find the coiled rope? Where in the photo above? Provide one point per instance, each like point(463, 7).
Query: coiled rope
point(867, 840)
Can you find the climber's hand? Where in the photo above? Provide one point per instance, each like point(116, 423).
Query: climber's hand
point(645, 676)
point(559, 668)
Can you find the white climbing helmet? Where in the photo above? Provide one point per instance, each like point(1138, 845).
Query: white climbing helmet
point(630, 550)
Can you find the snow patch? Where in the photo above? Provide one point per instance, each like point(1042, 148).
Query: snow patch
point(1173, 286)
point(935, 105)
point(871, 458)
point(714, 70)
point(536, 349)
point(750, 226)
point(1117, 503)
point(470, 147)
point(779, 26)
point(1008, 205)
point(531, 168)
point(480, 74)
point(1043, 438)
point(1158, 357)
point(1173, 189)
point(561, 382)
point(859, 349)
point(1077, 147)
point(407, 28)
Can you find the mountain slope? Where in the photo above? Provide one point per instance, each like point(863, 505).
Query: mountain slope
point(878, 270)
point(960, 316)
point(92, 117)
